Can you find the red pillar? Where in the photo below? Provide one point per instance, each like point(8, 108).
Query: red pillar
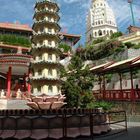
point(121, 96)
point(132, 86)
point(29, 86)
point(9, 82)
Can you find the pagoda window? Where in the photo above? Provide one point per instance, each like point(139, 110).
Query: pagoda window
point(49, 30)
point(95, 33)
point(49, 19)
point(50, 89)
point(39, 72)
point(111, 32)
point(49, 72)
point(90, 36)
point(100, 33)
point(49, 57)
point(107, 32)
point(49, 42)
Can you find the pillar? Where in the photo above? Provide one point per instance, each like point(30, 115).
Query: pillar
point(104, 87)
point(29, 86)
point(132, 86)
point(9, 82)
point(100, 85)
point(121, 96)
point(24, 80)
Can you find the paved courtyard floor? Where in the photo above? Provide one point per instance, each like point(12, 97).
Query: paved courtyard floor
point(132, 134)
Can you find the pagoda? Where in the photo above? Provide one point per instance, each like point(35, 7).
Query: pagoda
point(100, 21)
point(45, 64)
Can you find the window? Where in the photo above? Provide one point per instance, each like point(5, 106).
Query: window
point(100, 33)
point(49, 30)
point(49, 42)
point(95, 33)
point(111, 32)
point(99, 22)
point(107, 32)
point(49, 19)
point(39, 72)
point(49, 57)
point(50, 89)
point(50, 72)
point(90, 36)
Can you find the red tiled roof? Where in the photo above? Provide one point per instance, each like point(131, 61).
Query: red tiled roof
point(70, 35)
point(16, 26)
point(133, 29)
point(76, 37)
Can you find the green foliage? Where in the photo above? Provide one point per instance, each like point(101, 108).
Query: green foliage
point(15, 40)
point(66, 48)
point(129, 44)
point(98, 40)
point(78, 84)
point(116, 35)
point(104, 105)
point(101, 50)
point(136, 46)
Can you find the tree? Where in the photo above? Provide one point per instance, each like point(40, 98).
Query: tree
point(116, 35)
point(78, 85)
point(66, 48)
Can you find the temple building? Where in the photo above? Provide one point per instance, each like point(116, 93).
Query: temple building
point(14, 58)
point(133, 35)
point(100, 21)
point(45, 64)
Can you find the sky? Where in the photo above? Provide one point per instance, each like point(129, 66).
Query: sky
point(73, 14)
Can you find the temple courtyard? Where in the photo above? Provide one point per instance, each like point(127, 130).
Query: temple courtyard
point(132, 134)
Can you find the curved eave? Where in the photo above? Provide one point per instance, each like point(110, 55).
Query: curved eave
point(15, 62)
point(38, 24)
point(51, 49)
point(47, 2)
point(15, 55)
point(46, 64)
point(45, 35)
point(47, 12)
point(46, 79)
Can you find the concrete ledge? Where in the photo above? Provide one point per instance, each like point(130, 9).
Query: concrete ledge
point(13, 104)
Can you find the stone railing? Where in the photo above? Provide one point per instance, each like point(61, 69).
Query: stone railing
point(63, 123)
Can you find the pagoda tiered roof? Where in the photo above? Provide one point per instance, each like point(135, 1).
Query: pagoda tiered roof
point(42, 2)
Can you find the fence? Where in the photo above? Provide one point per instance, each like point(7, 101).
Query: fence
point(118, 95)
point(64, 123)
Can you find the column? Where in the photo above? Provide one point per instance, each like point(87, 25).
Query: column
point(9, 82)
point(29, 86)
point(132, 86)
point(104, 87)
point(24, 80)
point(100, 85)
point(121, 96)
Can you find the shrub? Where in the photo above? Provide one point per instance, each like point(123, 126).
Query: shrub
point(15, 40)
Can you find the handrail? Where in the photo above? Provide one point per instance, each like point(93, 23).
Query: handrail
point(125, 94)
